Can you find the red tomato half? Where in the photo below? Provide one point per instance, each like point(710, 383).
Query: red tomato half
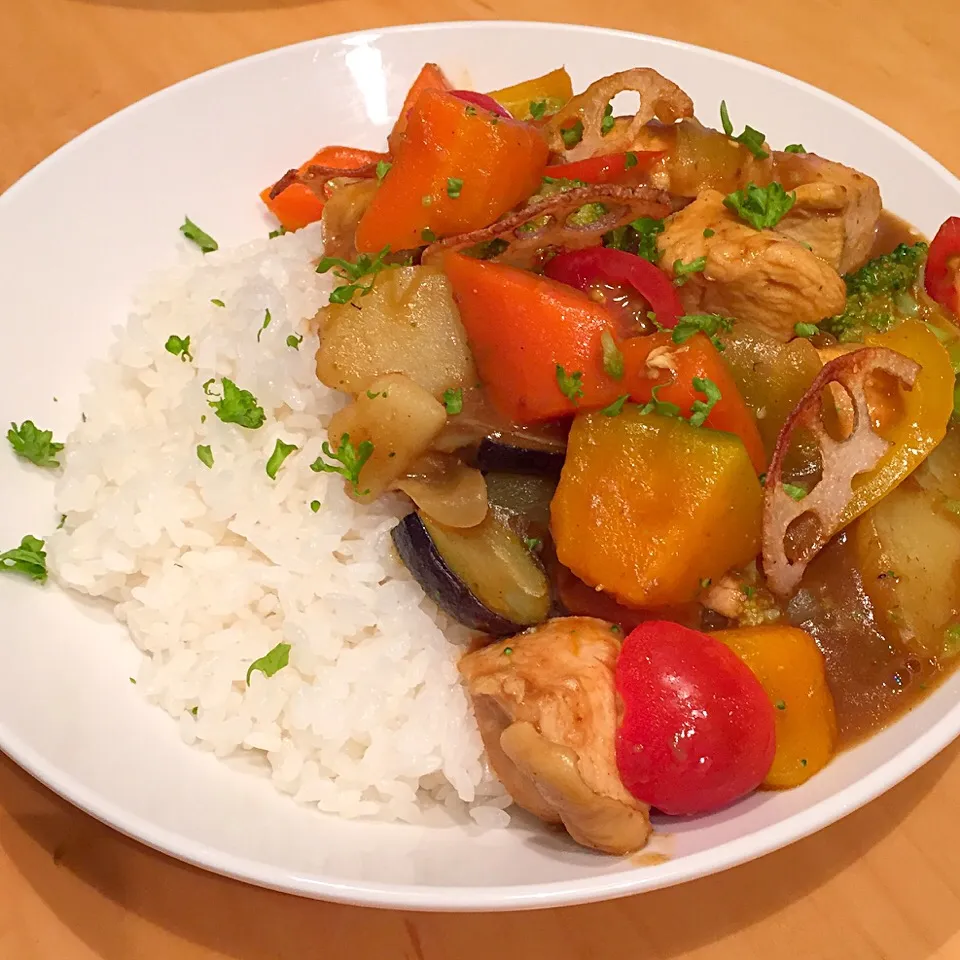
point(698, 729)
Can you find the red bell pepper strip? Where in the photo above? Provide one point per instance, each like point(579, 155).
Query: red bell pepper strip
point(582, 268)
point(942, 272)
point(481, 100)
point(611, 168)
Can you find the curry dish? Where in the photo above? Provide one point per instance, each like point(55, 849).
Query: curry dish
point(675, 414)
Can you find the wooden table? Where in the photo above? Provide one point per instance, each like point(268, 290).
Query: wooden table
point(884, 883)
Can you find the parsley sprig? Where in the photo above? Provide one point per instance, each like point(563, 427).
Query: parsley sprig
point(683, 271)
point(709, 323)
point(354, 274)
point(750, 138)
point(203, 240)
point(236, 405)
point(761, 207)
point(570, 384)
point(272, 662)
point(348, 460)
point(29, 559)
point(33, 444)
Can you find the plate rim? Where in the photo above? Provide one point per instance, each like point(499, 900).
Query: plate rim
point(514, 897)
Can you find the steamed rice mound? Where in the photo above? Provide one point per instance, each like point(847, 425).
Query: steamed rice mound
point(212, 567)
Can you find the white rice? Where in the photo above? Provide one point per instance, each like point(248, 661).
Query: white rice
point(212, 568)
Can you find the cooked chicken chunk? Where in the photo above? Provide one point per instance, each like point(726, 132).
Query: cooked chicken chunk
point(757, 276)
point(546, 706)
point(836, 211)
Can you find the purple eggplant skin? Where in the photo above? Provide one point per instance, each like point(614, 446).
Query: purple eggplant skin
point(495, 456)
point(441, 584)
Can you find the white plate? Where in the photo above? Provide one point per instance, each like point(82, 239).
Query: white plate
point(79, 232)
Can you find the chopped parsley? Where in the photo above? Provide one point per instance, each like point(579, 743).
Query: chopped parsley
point(750, 138)
point(279, 232)
point(700, 409)
point(217, 302)
point(794, 491)
point(272, 662)
point(427, 235)
point(371, 395)
point(383, 168)
point(507, 651)
point(662, 407)
point(280, 453)
point(267, 320)
point(587, 215)
point(538, 109)
point(612, 357)
point(570, 384)
point(682, 271)
point(616, 408)
point(705, 582)
point(315, 505)
point(709, 323)
point(471, 110)
point(638, 237)
point(951, 640)
point(179, 347)
point(236, 405)
point(795, 148)
point(781, 705)
point(806, 329)
point(708, 233)
point(365, 269)
point(748, 591)
point(348, 460)
point(205, 455)
point(572, 135)
point(33, 444)
point(294, 341)
point(203, 240)
point(29, 559)
point(761, 207)
point(454, 186)
point(630, 160)
point(608, 122)
point(453, 400)
point(532, 543)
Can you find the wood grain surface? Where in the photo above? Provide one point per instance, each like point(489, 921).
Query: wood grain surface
point(884, 883)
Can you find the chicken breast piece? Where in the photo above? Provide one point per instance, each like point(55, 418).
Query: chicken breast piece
point(545, 703)
point(757, 276)
point(836, 211)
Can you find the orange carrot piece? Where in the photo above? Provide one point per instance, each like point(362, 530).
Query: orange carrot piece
point(430, 77)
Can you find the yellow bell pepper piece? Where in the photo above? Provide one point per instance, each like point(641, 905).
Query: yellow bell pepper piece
point(554, 87)
point(791, 670)
point(918, 420)
point(648, 506)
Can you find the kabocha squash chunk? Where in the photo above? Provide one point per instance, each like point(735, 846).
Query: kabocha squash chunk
point(648, 506)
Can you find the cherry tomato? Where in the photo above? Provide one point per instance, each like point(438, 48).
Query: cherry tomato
point(941, 272)
point(697, 730)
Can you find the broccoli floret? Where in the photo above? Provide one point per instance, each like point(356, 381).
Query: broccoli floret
point(878, 293)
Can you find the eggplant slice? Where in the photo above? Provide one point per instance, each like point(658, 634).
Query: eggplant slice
point(495, 454)
point(484, 577)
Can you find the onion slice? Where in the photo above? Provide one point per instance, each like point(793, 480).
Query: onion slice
point(843, 460)
point(543, 224)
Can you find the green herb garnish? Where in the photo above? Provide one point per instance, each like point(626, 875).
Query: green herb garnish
point(204, 241)
point(366, 268)
point(29, 559)
point(205, 455)
point(272, 662)
point(217, 302)
point(793, 491)
point(614, 409)
point(279, 232)
point(750, 138)
point(294, 341)
point(662, 407)
point(453, 400)
point(612, 357)
point(951, 640)
point(383, 168)
point(709, 323)
point(427, 235)
point(348, 460)
point(781, 705)
point(639, 237)
point(315, 505)
point(538, 109)
point(236, 405)
point(179, 347)
point(700, 409)
point(280, 453)
point(630, 160)
point(608, 122)
point(806, 329)
point(532, 543)
point(682, 271)
point(572, 135)
point(267, 320)
point(761, 207)
point(570, 384)
point(454, 186)
point(795, 148)
point(708, 233)
point(37, 446)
